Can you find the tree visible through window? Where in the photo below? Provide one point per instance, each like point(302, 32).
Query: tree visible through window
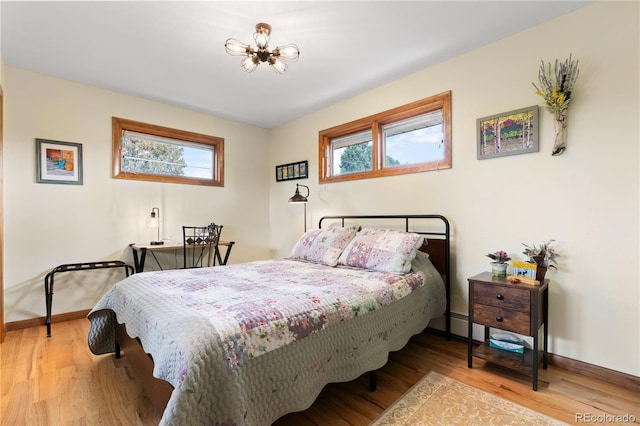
point(148, 152)
point(142, 154)
point(357, 158)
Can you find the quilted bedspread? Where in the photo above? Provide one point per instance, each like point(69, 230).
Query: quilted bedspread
point(244, 344)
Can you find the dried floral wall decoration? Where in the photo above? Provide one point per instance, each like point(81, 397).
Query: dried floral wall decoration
point(556, 87)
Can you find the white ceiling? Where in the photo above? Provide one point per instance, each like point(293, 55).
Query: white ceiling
point(173, 52)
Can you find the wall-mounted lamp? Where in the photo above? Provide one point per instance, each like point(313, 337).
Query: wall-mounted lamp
point(154, 222)
point(299, 198)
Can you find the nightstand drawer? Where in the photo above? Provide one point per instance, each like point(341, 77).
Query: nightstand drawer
point(514, 298)
point(505, 319)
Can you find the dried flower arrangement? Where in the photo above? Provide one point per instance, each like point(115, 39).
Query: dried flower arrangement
point(545, 252)
point(556, 87)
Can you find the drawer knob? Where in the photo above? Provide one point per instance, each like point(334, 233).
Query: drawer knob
point(499, 319)
point(500, 297)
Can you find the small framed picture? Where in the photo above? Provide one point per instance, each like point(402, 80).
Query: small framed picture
point(58, 162)
point(509, 133)
point(292, 171)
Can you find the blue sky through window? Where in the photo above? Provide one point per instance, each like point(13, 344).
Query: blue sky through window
point(418, 146)
point(199, 163)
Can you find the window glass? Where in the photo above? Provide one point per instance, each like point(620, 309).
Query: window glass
point(413, 141)
point(148, 152)
point(142, 153)
point(352, 153)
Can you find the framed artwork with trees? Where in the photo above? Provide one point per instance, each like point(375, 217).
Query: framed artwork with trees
point(509, 133)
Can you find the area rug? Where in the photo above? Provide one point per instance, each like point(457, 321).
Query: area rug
point(440, 400)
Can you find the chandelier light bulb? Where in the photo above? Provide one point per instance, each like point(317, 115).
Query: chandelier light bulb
point(278, 65)
point(237, 48)
point(261, 36)
point(288, 52)
point(250, 63)
point(253, 57)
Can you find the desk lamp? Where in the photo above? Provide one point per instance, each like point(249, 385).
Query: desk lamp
point(299, 198)
point(154, 222)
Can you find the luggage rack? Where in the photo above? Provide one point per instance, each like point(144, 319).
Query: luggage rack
point(70, 267)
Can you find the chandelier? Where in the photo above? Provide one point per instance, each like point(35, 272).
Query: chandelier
point(277, 58)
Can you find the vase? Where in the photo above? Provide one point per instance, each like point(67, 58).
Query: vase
point(560, 126)
point(541, 271)
point(499, 269)
point(537, 259)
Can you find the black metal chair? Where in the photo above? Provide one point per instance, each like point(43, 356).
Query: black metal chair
point(200, 244)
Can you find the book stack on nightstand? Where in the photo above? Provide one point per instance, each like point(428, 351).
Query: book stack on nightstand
point(520, 308)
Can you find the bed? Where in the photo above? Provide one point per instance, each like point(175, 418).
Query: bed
point(247, 343)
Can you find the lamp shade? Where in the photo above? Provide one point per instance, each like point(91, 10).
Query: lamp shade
point(153, 221)
point(297, 197)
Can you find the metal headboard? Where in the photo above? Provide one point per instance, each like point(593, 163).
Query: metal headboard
point(439, 246)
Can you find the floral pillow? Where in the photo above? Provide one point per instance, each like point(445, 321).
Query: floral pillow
point(382, 250)
point(323, 245)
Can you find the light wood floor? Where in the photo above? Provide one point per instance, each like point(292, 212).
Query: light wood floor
point(57, 381)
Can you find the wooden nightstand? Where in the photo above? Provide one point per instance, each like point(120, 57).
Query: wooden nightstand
point(521, 308)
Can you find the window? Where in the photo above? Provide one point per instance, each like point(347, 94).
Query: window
point(149, 152)
point(408, 139)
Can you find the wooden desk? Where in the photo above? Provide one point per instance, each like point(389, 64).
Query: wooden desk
point(139, 251)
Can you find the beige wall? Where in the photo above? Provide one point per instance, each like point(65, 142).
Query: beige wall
point(586, 199)
point(47, 224)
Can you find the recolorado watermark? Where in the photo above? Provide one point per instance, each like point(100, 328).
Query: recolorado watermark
point(605, 418)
